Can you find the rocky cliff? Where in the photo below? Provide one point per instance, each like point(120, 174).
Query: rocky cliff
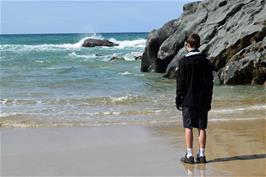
point(232, 35)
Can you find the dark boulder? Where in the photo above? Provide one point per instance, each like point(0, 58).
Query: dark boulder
point(230, 33)
point(116, 58)
point(98, 42)
point(138, 57)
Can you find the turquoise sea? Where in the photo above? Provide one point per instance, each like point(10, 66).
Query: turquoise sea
point(49, 80)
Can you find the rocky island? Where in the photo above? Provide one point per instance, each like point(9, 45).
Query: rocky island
point(232, 35)
point(98, 42)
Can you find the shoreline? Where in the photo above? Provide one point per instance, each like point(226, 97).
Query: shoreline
point(234, 148)
point(32, 124)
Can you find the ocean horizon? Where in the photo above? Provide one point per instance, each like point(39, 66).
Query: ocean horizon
point(50, 80)
point(72, 33)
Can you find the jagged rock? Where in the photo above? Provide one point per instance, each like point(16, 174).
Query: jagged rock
point(176, 41)
point(98, 42)
point(190, 8)
point(227, 28)
point(155, 39)
point(247, 66)
point(138, 57)
point(117, 58)
point(172, 67)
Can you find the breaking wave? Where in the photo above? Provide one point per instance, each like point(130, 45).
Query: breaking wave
point(139, 43)
point(110, 100)
point(233, 110)
point(127, 43)
point(75, 55)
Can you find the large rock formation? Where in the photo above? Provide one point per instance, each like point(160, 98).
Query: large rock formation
point(97, 42)
point(232, 35)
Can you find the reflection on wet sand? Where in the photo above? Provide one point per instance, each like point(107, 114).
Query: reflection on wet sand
point(195, 170)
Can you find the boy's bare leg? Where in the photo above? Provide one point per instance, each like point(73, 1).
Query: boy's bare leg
point(202, 138)
point(202, 141)
point(189, 141)
point(189, 137)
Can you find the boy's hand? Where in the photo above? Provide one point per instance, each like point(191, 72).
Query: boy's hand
point(179, 107)
point(178, 103)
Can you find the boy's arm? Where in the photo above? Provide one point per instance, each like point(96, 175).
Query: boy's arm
point(210, 79)
point(179, 85)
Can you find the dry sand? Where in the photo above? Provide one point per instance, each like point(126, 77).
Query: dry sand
point(235, 148)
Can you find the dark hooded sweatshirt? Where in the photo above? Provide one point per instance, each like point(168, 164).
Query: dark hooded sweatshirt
point(194, 81)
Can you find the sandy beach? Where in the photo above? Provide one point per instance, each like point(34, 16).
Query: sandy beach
point(234, 148)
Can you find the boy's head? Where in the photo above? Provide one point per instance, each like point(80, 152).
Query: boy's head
point(192, 42)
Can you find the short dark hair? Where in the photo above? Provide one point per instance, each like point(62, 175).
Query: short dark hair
point(193, 40)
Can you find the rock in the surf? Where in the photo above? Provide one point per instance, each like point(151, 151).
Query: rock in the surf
point(138, 57)
point(117, 58)
point(98, 42)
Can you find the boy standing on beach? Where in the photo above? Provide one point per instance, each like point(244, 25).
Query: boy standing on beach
point(194, 85)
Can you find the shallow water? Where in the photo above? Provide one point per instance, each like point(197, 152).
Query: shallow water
point(50, 80)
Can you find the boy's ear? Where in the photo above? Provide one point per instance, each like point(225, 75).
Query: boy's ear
point(187, 45)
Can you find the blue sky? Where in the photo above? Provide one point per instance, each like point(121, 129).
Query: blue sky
point(86, 16)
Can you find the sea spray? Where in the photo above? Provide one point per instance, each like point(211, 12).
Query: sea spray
point(126, 43)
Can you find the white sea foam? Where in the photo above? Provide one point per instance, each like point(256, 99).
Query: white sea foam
point(75, 55)
point(107, 113)
point(47, 47)
point(127, 43)
point(4, 114)
point(40, 47)
point(125, 73)
point(123, 98)
point(136, 53)
point(234, 119)
point(39, 61)
point(119, 98)
point(3, 101)
point(246, 108)
point(69, 46)
point(129, 57)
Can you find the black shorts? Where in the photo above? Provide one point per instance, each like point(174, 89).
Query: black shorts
point(194, 117)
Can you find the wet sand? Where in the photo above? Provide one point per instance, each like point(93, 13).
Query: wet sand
point(234, 148)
